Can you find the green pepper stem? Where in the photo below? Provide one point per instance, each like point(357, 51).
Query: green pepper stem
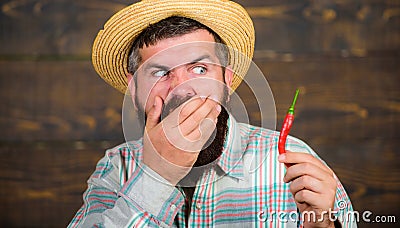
point(291, 109)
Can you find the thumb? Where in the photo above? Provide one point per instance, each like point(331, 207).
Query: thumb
point(154, 114)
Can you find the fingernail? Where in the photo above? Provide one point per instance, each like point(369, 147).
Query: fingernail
point(281, 157)
point(203, 98)
point(284, 179)
point(218, 108)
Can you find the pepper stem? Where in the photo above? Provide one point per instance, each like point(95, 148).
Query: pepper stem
point(291, 109)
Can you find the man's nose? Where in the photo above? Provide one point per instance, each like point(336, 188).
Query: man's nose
point(180, 84)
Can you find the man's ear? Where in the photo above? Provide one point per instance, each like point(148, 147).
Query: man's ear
point(131, 87)
point(228, 76)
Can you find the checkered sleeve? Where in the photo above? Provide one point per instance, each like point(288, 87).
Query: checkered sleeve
point(140, 201)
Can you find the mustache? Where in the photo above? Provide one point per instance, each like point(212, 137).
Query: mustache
point(172, 104)
point(177, 101)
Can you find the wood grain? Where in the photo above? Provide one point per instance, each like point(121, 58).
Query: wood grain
point(57, 100)
point(68, 27)
point(43, 182)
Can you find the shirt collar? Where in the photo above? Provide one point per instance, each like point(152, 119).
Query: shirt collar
point(231, 161)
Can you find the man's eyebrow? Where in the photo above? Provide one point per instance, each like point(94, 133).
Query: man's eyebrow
point(167, 68)
point(203, 57)
point(156, 66)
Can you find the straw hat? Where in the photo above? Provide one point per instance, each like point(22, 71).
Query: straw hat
point(228, 19)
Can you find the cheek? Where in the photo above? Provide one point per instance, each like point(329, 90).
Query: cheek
point(149, 93)
point(210, 86)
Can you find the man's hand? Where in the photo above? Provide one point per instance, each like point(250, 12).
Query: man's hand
point(171, 147)
point(313, 187)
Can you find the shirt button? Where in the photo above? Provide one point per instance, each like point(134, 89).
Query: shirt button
point(173, 207)
point(198, 206)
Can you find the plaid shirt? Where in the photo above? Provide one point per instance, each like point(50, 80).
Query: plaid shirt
point(249, 192)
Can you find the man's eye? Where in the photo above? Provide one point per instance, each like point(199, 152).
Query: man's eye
point(160, 73)
point(199, 70)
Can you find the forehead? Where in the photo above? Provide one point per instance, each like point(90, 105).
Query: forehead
point(179, 50)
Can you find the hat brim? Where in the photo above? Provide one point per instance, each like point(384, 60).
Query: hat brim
point(228, 19)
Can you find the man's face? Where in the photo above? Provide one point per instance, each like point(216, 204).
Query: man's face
point(179, 68)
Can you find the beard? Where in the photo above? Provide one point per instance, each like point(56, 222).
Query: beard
point(208, 156)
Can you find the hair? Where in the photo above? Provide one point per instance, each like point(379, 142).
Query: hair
point(168, 28)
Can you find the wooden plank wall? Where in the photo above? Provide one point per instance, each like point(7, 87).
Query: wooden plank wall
point(57, 117)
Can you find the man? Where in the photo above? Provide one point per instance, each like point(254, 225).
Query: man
point(195, 166)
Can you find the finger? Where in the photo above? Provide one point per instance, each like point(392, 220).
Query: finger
point(192, 122)
point(205, 130)
point(307, 196)
point(298, 157)
point(306, 182)
point(195, 141)
point(189, 107)
point(310, 169)
point(183, 111)
point(153, 117)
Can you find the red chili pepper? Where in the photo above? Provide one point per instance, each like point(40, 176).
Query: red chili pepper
point(287, 124)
